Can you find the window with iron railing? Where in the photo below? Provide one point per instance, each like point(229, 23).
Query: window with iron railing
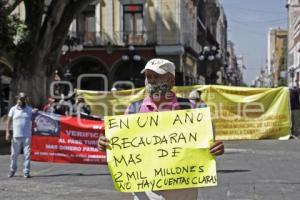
point(89, 28)
point(85, 28)
point(133, 24)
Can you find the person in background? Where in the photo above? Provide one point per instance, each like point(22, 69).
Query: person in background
point(20, 117)
point(80, 108)
point(50, 106)
point(160, 78)
point(64, 106)
point(295, 108)
point(195, 98)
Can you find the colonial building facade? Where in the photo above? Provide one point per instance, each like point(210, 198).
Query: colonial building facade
point(111, 41)
point(235, 65)
point(293, 7)
point(120, 36)
point(277, 59)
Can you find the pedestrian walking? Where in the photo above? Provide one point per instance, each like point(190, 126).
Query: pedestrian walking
point(159, 80)
point(20, 117)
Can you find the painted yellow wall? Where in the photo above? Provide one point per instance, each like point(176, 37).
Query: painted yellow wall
point(280, 37)
point(164, 22)
point(170, 26)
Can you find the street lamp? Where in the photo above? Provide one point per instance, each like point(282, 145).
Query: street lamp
point(71, 44)
point(292, 75)
point(132, 57)
point(209, 54)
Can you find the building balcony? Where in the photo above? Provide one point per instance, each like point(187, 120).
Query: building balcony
point(296, 22)
point(119, 38)
point(134, 38)
point(297, 31)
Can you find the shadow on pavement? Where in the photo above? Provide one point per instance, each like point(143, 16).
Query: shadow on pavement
point(227, 171)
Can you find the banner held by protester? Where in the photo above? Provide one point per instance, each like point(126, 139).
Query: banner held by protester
point(66, 139)
point(237, 112)
point(161, 150)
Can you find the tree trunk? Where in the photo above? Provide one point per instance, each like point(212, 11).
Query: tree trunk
point(43, 49)
point(30, 78)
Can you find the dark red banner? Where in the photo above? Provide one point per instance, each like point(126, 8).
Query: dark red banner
point(64, 139)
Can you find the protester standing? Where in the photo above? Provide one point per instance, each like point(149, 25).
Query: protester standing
point(160, 78)
point(20, 117)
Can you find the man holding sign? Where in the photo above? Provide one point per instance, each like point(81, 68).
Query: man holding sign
point(159, 80)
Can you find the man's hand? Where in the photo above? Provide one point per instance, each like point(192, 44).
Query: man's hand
point(8, 136)
point(217, 148)
point(102, 143)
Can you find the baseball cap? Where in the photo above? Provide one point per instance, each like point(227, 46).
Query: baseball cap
point(194, 95)
point(160, 66)
point(21, 95)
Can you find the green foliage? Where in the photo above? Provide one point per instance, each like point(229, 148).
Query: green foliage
point(7, 32)
point(13, 34)
point(22, 33)
point(12, 31)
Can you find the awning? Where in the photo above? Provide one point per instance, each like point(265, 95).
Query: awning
point(169, 50)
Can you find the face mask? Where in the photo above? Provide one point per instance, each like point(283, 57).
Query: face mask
point(22, 104)
point(159, 89)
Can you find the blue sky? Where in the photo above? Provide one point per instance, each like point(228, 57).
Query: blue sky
point(248, 25)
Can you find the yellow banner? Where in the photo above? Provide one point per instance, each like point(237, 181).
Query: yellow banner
point(249, 113)
point(237, 112)
point(161, 150)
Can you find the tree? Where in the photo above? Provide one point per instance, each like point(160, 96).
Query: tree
point(38, 46)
